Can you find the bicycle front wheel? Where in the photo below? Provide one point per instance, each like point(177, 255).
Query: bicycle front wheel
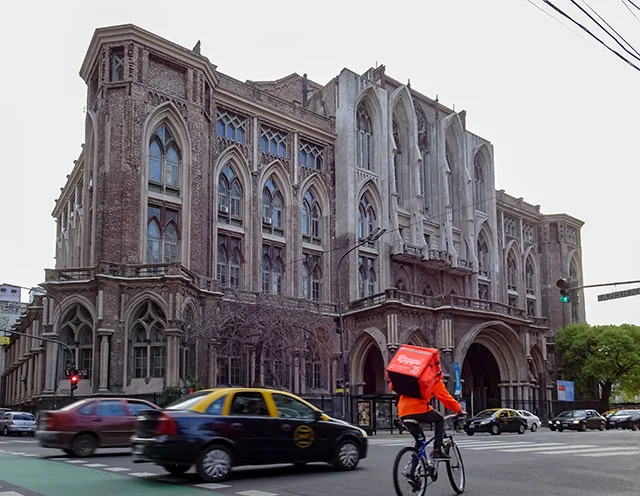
point(409, 473)
point(455, 469)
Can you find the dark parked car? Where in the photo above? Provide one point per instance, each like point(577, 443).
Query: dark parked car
point(495, 421)
point(219, 429)
point(625, 419)
point(82, 427)
point(579, 420)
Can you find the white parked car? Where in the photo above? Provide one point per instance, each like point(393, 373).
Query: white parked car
point(18, 423)
point(533, 421)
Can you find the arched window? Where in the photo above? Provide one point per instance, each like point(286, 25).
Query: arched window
point(163, 234)
point(512, 273)
point(397, 157)
point(77, 332)
point(530, 280)
point(574, 277)
point(229, 260)
point(450, 186)
point(366, 276)
point(272, 208)
point(367, 222)
point(479, 184)
point(229, 194)
point(427, 291)
point(164, 162)
point(313, 370)
point(311, 215)
point(311, 276)
point(148, 342)
point(231, 126)
point(401, 285)
point(364, 141)
point(272, 269)
point(483, 256)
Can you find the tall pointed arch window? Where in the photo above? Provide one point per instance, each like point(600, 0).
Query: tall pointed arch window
point(367, 221)
point(479, 185)
point(229, 194)
point(272, 207)
point(311, 215)
point(163, 233)
point(530, 287)
point(231, 126)
point(272, 269)
point(512, 272)
point(574, 278)
point(311, 276)
point(483, 256)
point(364, 141)
point(229, 261)
point(164, 162)
point(77, 333)
point(148, 356)
point(397, 158)
point(366, 276)
point(448, 157)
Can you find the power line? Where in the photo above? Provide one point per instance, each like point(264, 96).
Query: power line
point(634, 4)
point(629, 9)
point(584, 28)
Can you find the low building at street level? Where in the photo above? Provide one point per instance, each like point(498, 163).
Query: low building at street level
point(201, 230)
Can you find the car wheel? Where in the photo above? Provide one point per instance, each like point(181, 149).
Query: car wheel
point(534, 427)
point(84, 445)
point(635, 427)
point(5, 431)
point(583, 427)
point(601, 428)
point(521, 429)
point(495, 430)
point(346, 455)
point(174, 469)
point(552, 429)
point(470, 433)
point(560, 429)
point(214, 465)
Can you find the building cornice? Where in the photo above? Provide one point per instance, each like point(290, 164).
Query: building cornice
point(130, 32)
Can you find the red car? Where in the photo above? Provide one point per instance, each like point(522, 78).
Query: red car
point(84, 426)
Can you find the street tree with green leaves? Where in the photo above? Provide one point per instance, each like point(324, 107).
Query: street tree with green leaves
point(607, 355)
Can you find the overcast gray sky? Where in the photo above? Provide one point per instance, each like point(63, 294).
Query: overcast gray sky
point(561, 111)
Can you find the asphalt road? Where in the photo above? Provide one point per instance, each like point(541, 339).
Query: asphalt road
point(542, 463)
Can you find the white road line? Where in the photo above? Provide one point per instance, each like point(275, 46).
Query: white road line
point(544, 446)
point(586, 450)
point(95, 465)
point(26, 442)
point(117, 469)
point(212, 486)
point(497, 447)
point(253, 492)
point(75, 461)
point(488, 443)
point(142, 474)
point(613, 453)
point(10, 493)
point(29, 454)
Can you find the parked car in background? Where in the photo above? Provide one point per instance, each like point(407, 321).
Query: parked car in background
point(86, 425)
point(579, 420)
point(17, 423)
point(625, 419)
point(495, 421)
point(533, 421)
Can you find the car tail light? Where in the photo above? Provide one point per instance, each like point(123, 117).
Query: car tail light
point(166, 426)
point(50, 422)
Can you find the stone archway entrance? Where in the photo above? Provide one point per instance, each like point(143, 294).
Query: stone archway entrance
point(481, 377)
point(373, 372)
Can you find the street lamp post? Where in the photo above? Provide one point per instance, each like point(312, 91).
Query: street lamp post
point(373, 236)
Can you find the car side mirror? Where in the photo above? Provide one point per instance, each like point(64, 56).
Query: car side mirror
point(318, 415)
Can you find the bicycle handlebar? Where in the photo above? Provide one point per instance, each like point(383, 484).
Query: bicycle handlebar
point(455, 415)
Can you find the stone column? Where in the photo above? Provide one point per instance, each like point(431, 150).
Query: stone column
point(172, 371)
point(503, 394)
point(30, 363)
point(39, 370)
point(51, 350)
point(103, 382)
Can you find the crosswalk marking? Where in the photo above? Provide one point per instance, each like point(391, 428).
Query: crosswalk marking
point(117, 469)
point(95, 465)
point(213, 486)
point(141, 474)
point(612, 453)
point(75, 461)
point(498, 446)
point(597, 450)
point(253, 492)
point(9, 493)
point(545, 446)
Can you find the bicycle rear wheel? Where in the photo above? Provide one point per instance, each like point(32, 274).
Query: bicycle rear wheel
point(455, 469)
point(405, 483)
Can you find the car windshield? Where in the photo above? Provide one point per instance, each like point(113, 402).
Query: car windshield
point(486, 413)
point(23, 416)
point(573, 413)
point(187, 401)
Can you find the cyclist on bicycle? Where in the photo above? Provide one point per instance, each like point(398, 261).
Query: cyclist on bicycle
point(419, 410)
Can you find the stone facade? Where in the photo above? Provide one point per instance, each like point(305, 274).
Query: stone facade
point(196, 193)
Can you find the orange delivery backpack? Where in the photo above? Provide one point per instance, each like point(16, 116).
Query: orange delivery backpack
point(414, 371)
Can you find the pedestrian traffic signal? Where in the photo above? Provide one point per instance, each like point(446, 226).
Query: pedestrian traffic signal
point(74, 380)
point(563, 284)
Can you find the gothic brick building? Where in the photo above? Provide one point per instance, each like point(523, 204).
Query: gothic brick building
point(196, 191)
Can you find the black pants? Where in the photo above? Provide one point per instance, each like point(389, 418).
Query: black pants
point(416, 431)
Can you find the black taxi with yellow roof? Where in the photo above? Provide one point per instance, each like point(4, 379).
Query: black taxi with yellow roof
point(496, 421)
point(217, 429)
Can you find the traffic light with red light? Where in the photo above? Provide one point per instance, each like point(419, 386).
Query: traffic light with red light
point(74, 379)
point(563, 284)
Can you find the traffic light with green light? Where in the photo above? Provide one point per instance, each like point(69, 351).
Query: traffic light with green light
point(563, 284)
